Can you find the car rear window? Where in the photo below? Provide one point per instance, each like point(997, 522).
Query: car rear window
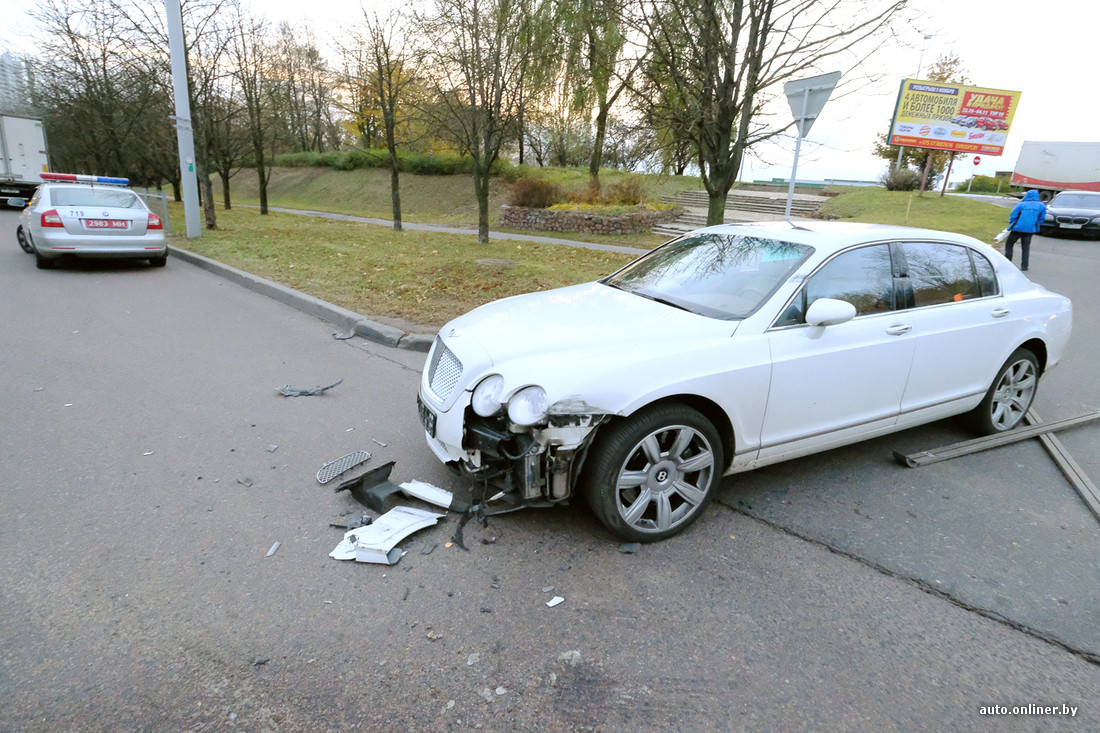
point(1076, 201)
point(88, 196)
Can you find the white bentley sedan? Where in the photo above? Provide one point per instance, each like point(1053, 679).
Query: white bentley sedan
point(730, 348)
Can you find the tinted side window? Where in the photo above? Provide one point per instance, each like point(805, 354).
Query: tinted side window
point(939, 273)
point(862, 277)
point(987, 278)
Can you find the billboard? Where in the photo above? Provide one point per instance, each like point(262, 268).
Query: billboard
point(945, 116)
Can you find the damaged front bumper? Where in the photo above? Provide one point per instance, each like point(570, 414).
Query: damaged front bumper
point(527, 466)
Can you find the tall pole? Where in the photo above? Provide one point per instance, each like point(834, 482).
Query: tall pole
point(184, 136)
point(800, 124)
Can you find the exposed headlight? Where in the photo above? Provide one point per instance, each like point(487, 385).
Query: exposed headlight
point(528, 406)
point(486, 397)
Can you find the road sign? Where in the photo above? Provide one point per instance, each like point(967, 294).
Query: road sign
point(807, 97)
point(977, 159)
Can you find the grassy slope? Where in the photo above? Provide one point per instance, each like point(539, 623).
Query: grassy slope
point(447, 200)
point(978, 219)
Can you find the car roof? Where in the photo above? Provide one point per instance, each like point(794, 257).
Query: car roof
point(837, 235)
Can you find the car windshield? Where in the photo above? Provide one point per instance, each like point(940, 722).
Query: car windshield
point(88, 196)
point(1076, 201)
point(725, 276)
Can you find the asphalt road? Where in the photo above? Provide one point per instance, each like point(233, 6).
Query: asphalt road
point(837, 592)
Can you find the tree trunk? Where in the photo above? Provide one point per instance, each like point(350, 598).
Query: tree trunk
point(225, 190)
point(208, 201)
point(261, 175)
point(597, 148)
point(481, 190)
point(924, 178)
point(395, 191)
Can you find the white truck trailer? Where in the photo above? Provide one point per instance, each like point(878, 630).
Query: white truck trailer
point(23, 156)
point(1050, 167)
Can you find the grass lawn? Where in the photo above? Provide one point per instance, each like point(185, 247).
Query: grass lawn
point(978, 219)
point(427, 278)
point(447, 200)
point(423, 278)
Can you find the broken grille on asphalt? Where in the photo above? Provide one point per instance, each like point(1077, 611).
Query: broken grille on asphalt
point(331, 470)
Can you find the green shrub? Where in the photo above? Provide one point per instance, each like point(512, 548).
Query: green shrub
point(534, 193)
point(900, 179)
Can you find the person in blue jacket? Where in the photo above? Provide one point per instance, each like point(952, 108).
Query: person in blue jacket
point(1024, 221)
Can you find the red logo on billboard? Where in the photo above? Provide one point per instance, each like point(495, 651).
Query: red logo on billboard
point(983, 104)
point(925, 130)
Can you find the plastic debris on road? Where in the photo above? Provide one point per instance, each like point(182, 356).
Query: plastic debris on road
point(554, 601)
point(287, 391)
point(377, 543)
point(273, 549)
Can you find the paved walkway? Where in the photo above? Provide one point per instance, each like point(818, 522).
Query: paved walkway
point(457, 230)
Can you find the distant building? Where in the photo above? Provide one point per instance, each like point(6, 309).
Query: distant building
point(16, 86)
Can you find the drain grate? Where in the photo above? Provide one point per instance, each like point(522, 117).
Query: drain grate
point(332, 469)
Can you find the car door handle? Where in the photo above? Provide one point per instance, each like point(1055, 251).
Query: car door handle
point(1000, 312)
point(899, 329)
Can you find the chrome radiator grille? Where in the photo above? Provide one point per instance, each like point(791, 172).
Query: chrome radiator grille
point(444, 371)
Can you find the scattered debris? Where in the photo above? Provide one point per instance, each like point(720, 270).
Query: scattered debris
point(260, 661)
point(554, 601)
point(378, 542)
point(547, 589)
point(379, 442)
point(287, 391)
point(373, 487)
point(148, 453)
point(489, 540)
point(432, 636)
point(428, 548)
point(473, 659)
point(361, 521)
point(486, 609)
point(272, 448)
point(629, 548)
point(273, 549)
point(246, 481)
point(332, 469)
point(572, 658)
point(344, 335)
point(487, 694)
point(501, 690)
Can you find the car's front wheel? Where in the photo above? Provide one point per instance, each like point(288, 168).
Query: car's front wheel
point(1011, 394)
point(652, 474)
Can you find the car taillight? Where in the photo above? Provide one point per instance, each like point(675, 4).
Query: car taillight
point(154, 222)
point(51, 218)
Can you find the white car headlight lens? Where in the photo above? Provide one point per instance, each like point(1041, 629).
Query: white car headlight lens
point(486, 397)
point(528, 406)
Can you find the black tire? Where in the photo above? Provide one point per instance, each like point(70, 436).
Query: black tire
point(651, 475)
point(1010, 396)
point(159, 261)
point(23, 241)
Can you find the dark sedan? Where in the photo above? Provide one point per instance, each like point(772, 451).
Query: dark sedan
point(1073, 212)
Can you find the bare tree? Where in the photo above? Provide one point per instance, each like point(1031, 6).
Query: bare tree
point(716, 63)
point(479, 49)
point(385, 70)
point(250, 53)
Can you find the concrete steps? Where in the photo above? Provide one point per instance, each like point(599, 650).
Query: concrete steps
point(740, 206)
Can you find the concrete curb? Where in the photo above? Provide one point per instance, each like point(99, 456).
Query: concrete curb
point(341, 317)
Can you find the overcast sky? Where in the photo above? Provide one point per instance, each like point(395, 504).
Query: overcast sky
point(1043, 51)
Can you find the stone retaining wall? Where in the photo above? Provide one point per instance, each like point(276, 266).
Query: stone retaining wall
point(584, 222)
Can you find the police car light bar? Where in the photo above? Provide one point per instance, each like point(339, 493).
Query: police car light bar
point(75, 178)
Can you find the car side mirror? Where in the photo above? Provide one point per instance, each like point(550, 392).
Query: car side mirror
point(17, 203)
point(829, 312)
